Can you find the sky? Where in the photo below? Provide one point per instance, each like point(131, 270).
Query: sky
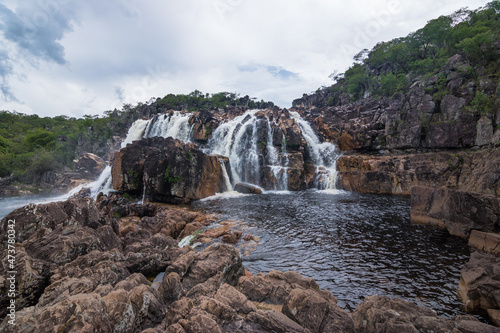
point(75, 58)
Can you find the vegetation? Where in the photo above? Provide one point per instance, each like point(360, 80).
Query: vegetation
point(391, 66)
point(197, 100)
point(169, 179)
point(31, 145)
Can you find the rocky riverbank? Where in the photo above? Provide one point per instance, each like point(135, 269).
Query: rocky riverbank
point(85, 265)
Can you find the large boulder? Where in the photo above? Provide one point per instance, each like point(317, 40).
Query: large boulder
point(459, 212)
point(90, 165)
point(377, 314)
point(479, 286)
point(167, 170)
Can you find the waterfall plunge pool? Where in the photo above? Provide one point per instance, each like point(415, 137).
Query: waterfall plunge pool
point(354, 245)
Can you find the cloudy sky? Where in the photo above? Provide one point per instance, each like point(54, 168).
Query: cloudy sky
point(71, 57)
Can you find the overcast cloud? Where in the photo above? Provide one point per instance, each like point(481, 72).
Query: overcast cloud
point(74, 57)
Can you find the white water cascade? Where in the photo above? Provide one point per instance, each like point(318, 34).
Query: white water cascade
point(238, 139)
point(323, 154)
point(175, 125)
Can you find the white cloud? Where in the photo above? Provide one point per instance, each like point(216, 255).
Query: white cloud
point(92, 56)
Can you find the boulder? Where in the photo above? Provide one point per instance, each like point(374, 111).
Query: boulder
point(487, 242)
point(247, 188)
point(459, 212)
point(90, 165)
point(167, 170)
point(479, 286)
point(383, 314)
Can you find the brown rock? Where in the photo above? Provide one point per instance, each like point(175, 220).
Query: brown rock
point(247, 188)
point(216, 232)
point(312, 311)
point(191, 228)
point(485, 241)
point(384, 314)
point(459, 211)
point(479, 286)
point(212, 260)
point(232, 238)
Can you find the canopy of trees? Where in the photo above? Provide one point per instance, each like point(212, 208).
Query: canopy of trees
point(389, 66)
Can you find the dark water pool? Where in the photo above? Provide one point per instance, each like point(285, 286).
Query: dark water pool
point(352, 244)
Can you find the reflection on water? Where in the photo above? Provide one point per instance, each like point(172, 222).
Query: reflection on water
point(352, 244)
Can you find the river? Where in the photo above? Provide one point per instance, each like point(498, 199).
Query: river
point(354, 245)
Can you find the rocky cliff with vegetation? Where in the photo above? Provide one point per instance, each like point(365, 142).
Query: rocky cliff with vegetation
point(420, 116)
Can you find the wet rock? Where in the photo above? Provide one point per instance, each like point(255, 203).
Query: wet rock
point(247, 188)
point(232, 238)
point(384, 314)
point(480, 283)
point(216, 232)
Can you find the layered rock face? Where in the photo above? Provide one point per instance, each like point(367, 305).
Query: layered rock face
point(167, 170)
point(417, 119)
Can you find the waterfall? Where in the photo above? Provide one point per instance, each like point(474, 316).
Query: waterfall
point(238, 139)
point(225, 176)
point(285, 162)
point(175, 125)
point(323, 154)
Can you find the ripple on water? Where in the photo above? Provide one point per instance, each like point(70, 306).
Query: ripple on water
point(352, 244)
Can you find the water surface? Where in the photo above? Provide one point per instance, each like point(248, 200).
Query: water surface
point(352, 244)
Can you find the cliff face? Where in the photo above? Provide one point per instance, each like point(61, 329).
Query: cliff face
point(426, 117)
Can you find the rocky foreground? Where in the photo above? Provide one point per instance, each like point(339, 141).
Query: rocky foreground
point(87, 266)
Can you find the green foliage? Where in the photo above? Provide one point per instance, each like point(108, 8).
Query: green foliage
point(482, 103)
point(170, 179)
point(197, 100)
point(391, 84)
point(133, 179)
point(382, 71)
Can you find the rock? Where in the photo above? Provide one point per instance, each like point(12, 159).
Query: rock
point(90, 165)
point(247, 188)
point(479, 286)
point(215, 232)
point(168, 170)
point(485, 242)
point(275, 286)
point(384, 314)
point(232, 238)
point(484, 129)
point(459, 212)
point(214, 259)
point(30, 280)
point(317, 313)
point(36, 218)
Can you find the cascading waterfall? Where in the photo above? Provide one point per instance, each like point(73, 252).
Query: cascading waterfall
point(238, 139)
point(104, 182)
point(275, 163)
point(323, 154)
point(175, 125)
